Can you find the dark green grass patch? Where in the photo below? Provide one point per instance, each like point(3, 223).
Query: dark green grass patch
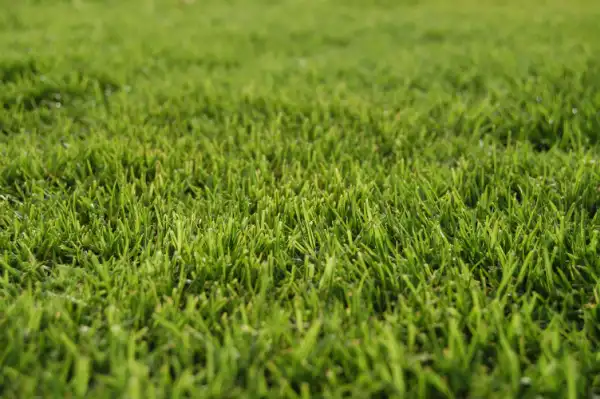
point(299, 199)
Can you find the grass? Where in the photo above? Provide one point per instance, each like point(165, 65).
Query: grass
point(300, 198)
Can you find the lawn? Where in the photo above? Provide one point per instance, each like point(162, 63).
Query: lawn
point(300, 198)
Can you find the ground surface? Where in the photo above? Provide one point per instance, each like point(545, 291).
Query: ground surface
point(300, 198)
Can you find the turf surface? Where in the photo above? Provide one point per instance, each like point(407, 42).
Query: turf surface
point(300, 198)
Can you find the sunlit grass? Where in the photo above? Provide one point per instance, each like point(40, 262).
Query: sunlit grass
point(299, 199)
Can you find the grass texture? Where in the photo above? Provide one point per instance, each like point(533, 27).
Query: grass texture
point(300, 199)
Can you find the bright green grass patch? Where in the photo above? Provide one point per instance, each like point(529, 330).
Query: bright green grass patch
point(299, 199)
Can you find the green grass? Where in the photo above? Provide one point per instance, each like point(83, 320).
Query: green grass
point(300, 198)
